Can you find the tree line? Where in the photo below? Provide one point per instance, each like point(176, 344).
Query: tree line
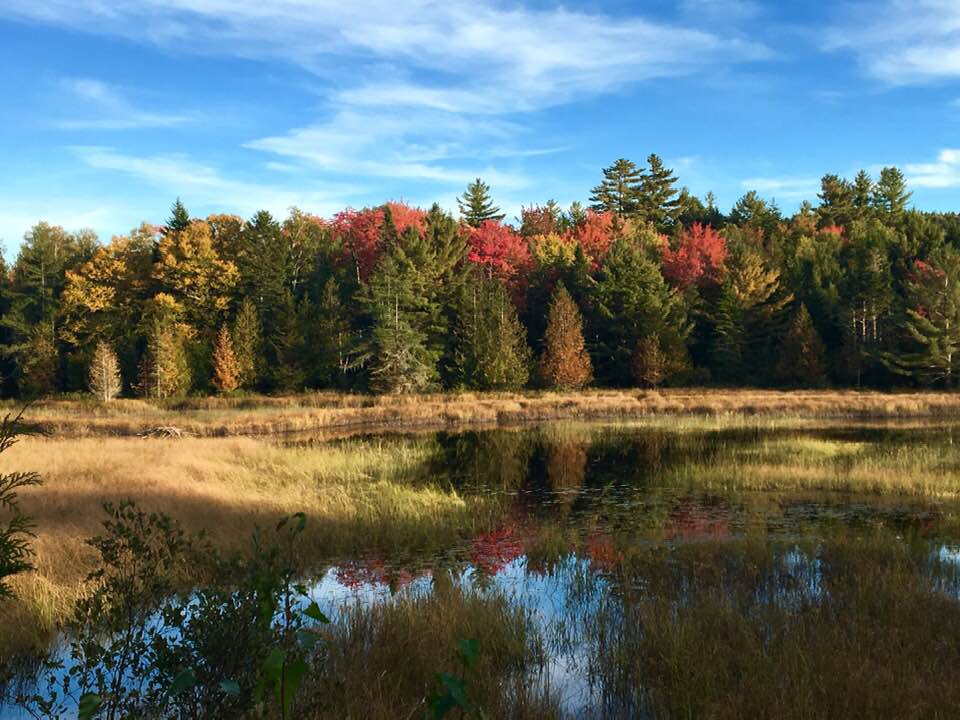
point(645, 285)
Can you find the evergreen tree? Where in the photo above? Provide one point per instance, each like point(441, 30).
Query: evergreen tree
point(179, 219)
point(285, 346)
point(836, 201)
point(728, 337)
point(40, 362)
point(619, 192)
point(492, 350)
point(862, 194)
point(931, 321)
point(330, 346)
point(565, 363)
point(104, 380)
point(658, 197)
point(802, 353)
point(476, 206)
point(890, 195)
point(247, 344)
point(635, 302)
point(226, 371)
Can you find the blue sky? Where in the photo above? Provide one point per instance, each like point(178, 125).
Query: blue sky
point(112, 108)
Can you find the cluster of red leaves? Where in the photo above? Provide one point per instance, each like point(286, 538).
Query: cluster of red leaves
point(493, 551)
point(501, 251)
point(359, 231)
point(699, 258)
point(595, 235)
point(832, 230)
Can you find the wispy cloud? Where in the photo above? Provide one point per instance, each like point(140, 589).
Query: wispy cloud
point(901, 41)
point(204, 185)
point(783, 188)
point(944, 173)
point(96, 105)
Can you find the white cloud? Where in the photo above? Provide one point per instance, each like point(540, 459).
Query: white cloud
point(413, 89)
point(783, 188)
point(902, 41)
point(480, 55)
point(204, 185)
point(416, 145)
point(99, 106)
point(944, 173)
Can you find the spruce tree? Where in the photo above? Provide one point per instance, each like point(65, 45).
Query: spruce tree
point(802, 353)
point(476, 205)
point(247, 344)
point(492, 351)
point(728, 342)
point(179, 219)
point(619, 191)
point(226, 371)
point(658, 196)
point(862, 194)
point(565, 363)
point(104, 379)
point(837, 198)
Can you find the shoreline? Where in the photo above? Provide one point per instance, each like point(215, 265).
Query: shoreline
point(317, 412)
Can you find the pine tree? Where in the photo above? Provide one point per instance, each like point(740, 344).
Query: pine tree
point(890, 195)
point(728, 341)
point(802, 353)
point(837, 197)
point(179, 219)
point(104, 378)
point(619, 192)
point(862, 194)
point(226, 371)
point(930, 351)
point(476, 205)
point(247, 344)
point(658, 196)
point(565, 363)
point(492, 351)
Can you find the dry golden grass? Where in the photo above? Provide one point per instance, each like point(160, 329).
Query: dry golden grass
point(356, 497)
point(255, 415)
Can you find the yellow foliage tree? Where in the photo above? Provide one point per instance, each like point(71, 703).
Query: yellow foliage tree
point(193, 273)
point(226, 371)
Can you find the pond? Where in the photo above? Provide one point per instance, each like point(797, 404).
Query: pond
point(658, 567)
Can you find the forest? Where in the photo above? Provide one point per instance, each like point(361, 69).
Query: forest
point(644, 285)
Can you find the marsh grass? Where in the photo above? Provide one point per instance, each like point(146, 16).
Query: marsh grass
point(737, 630)
point(382, 660)
point(361, 496)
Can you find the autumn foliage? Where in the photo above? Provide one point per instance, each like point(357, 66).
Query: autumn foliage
point(565, 363)
point(698, 259)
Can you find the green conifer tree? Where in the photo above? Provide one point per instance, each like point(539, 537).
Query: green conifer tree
point(476, 205)
point(492, 351)
point(658, 195)
point(619, 191)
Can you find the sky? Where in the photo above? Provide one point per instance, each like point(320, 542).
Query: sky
point(113, 108)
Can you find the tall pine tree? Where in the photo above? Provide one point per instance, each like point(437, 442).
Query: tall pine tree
point(476, 205)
